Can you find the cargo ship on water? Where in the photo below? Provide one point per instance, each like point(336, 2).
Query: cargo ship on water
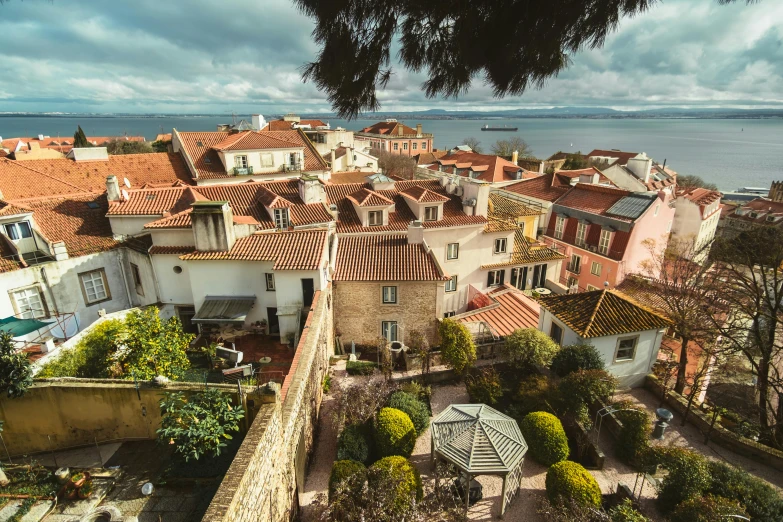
point(505, 128)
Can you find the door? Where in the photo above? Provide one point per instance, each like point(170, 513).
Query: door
point(186, 314)
point(274, 322)
point(308, 289)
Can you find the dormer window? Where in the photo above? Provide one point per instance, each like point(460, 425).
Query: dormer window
point(17, 231)
point(375, 218)
point(430, 213)
point(240, 161)
point(281, 218)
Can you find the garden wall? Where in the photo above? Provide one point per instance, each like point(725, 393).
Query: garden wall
point(268, 472)
point(720, 435)
point(64, 413)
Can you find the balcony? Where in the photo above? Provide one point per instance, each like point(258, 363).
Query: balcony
point(574, 268)
point(242, 171)
point(289, 167)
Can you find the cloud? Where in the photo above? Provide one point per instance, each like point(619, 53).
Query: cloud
point(205, 56)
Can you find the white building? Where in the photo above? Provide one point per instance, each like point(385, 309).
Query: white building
point(627, 335)
point(349, 159)
point(696, 218)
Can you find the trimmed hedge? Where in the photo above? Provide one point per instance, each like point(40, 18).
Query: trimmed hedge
point(348, 472)
point(413, 407)
point(396, 471)
point(360, 367)
point(394, 433)
point(352, 444)
point(571, 481)
point(545, 437)
point(576, 357)
point(707, 509)
point(761, 501)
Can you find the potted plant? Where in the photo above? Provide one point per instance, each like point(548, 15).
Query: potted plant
point(78, 479)
point(86, 490)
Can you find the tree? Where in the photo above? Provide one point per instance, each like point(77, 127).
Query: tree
point(506, 148)
point(576, 357)
point(161, 146)
point(395, 164)
point(750, 280)
point(419, 345)
point(118, 147)
point(200, 424)
point(685, 181)
point(474, 144)
point(16, 374)
point(457, 348)
point(488, 39)
point(80, 140)
point(529, 347)
point(576, 162)
point(152, 347)
point(681, 290)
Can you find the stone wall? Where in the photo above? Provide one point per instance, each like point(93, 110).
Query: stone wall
point(64, 413)
point(359, 310)
point(268, 471)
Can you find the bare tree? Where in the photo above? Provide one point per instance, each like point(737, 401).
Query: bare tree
point(395, 164)
point(507, 147)
point(474, 144)
point(714, 359)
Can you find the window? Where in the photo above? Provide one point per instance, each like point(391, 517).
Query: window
point(396, 146)
point(451, 284)
point(423, 145)
point(657, 208)
point(281, 218)
point(267, 159)
point(375, 218)
point(626, 349)
point(500, 245)
point(559, 227)
point(430, 213)
point(581, 229)
point(591, 288)
point(270, 282)
point(240, 161)
point(603, 243)
point(17, 231)
point(575, 265)
point(137, 279)
point(573, 284)
point(414, 145)
point(29, 303)
point(449, 314)
point(556, 333)
point(389, 330)
point(94, 286)
point(389, 295)
point(404, 146)
point(495, 277)
point(452, 251)
point(595, 268)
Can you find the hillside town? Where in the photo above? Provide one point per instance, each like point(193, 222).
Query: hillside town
point(285, 320)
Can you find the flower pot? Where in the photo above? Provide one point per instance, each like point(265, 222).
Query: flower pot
point(85, 476)
point(85, 491)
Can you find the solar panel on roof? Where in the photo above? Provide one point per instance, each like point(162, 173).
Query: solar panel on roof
point(631, 206)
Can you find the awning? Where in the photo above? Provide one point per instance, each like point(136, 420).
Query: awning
point(224, 309)
point(19, 327)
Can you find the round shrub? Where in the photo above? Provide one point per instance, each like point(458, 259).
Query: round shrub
point(352, 444)
point(529, 347)
point(397, 476)
point(545, 437)
point(576, 357)
point(571, 481)
point(394, 433)
point(348, 473)
point(707, 509)
point(761, 501)
point(413, 407)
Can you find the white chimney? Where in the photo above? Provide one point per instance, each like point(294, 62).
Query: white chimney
point(311, 190)
point(112, 188)
point(515, 157)
point(640, 166)
point(258, 121)
point(213, 226)
point(477, 194)
point(349, 152)
point(415, 233)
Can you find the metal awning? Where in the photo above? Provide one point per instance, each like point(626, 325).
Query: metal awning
point(19, 327)
point(224, 309)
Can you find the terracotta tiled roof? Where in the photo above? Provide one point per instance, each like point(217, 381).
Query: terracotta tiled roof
point(700, 196)
point(171, 250)
point(594, 199)
point(499, 225)
point(282, 125)
point(623, 157)
point(9, 258)
point(10, 209)
point(509, 310)
point(601, 313)
point(178, 220)
point(390, 129)
point(341, 178)
point(252, 140)
point(271, 200)
point(422, 195)
point(65, 143)
point(427, 158)
point(545, 188)
point(163, 137)
point(365, 197)
point(492, 168)
point(762, 208)
point(527, 252)
point(298, 250)
point(566, 177)
point(503, 207)
point(151, 202)
point(643, 292)
point(19, 181)
point(383, 258)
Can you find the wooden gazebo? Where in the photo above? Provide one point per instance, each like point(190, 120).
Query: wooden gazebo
point(480, 440)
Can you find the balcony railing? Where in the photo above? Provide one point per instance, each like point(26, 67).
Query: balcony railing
point(574, 268)
point(242, 171)
point(288, 167)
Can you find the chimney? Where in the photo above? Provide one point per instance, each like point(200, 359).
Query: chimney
point(400, 130)
point(475, 197)
point(112, 188)
point(640, 166)
point(418, 130)
point(515, 157)
point(311, 190)
point(541, 169)
point(213, 226)
point(258, 121)
point(415, 233)
point(349, 153)
point(334, 150)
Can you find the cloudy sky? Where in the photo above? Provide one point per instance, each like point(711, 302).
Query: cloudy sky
point(207, 56)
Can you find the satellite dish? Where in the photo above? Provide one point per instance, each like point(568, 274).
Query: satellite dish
point(127, 182)
point(125, 194)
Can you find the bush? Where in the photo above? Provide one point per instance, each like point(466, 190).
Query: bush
point(484, 386)
point(570, 481)
point(413, 407)
point(529, 347)
point(625, 512)
point(688, 476)
point(576, 391)
point(90, 358)
point(456, 346)
point(352, 444)
point(576, 357)
point(545, 437)
point(394, 433)
point(360, 367)
point(707, 509)
point(533, 395)
point(16, 373)
point(761, 501)
point(633, 441)
point(347, 473)
point(397, 472)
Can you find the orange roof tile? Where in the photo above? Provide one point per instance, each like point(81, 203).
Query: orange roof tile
point(170, 250)
point(10, 209)
point(252, 140)
point(503, 207)
point(365, 197)
point(65, 143)
point(700, 196)
point(282, 125)
point(341, 178)
point(492, 168)
point(422, 195)
point(271, 200)
point(623, 157)
point(383, 258)
point(389, 128)
point(509, 310)
point(594, 199)
point(151, 202)
point(544, 188)
point(19, 181)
